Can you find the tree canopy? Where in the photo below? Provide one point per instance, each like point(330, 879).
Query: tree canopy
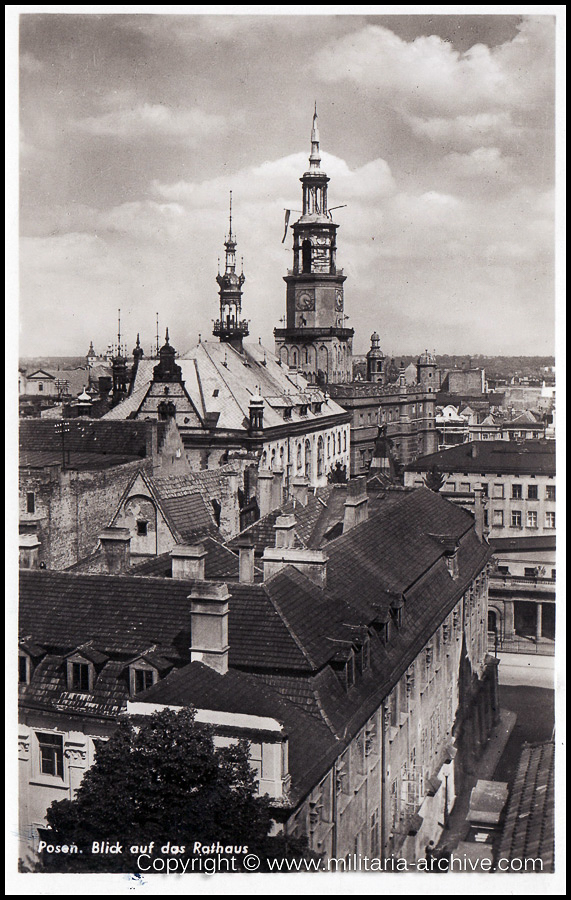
point(161, 779)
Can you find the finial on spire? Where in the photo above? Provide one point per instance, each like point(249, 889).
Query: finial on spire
point(315, 157)
point(167, 336)
point(230, 235)
point(138, 340)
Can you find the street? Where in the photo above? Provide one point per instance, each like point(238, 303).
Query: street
point(526, 669)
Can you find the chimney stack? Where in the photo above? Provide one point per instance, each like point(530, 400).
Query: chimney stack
point(246, 559)
point(209, 624)
point(116, 546)
point(285, 531)
point(356, 504)
point(277, 488)
point(299, 490)
point(188, 562)
point(29, 551)
point(265, 491)
point(479, 510)
point(312, 563)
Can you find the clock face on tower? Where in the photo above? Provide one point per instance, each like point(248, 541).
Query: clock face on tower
point(339, 300)
point(305, 300)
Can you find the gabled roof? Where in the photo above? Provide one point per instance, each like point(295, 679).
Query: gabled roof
point(125, 439)
point(504, 457)
point(220, 382)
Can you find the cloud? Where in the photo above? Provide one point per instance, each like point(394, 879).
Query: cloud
point(154, 120)
point(444, 93)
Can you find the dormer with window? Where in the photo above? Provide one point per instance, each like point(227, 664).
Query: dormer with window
point(145, 671)
point(343, 664)
point(29, 655)
point(397, 608)
point(82, 667)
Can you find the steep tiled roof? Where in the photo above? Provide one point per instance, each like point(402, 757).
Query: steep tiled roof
point(503, 457)
point(221, 380)
point(529, 829)
point(190, 516)
point(237, 692)
point(221, 564)
point(88, 436)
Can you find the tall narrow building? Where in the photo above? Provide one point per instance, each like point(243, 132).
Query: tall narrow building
point(230, 327)
point(315, 340)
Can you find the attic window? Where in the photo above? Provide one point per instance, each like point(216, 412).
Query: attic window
point(79, 676)
point(30, 502)
point(23, 669)
point(287, 412)
point(142, 527)
point(303, 409)
point(215, 392)
point(317, 407)
point(142, 678)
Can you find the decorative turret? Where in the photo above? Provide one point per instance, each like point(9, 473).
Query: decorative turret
point(138, 351)
point(230, 328)
point(167, 371)
point(315, 339)
point(375, 361)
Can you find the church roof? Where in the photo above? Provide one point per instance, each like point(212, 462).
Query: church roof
point(219, 379)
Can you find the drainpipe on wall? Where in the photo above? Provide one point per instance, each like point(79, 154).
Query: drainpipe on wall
point(334, 811)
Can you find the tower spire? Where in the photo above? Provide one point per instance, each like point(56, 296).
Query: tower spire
point(230, 328)
point(315, 157)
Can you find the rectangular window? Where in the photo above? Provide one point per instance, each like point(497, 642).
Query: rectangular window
point(465, 487)
point(516, 518)
point(498, 491)
point(375, 834)
point(142, 527)
point(486, 518)
point(530, 572)
point(143, 680)
point(531, 519)
point(550, 492)
point(504, 570)
point(31, 502)
point(498, 518)
point(532, 493)
point(22, 670)
point(79, 680)
point(516, 492)
point(550, 520)
point(484, 488)
point(51, 754)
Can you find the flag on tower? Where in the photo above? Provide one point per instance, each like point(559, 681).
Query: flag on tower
point(286, 223)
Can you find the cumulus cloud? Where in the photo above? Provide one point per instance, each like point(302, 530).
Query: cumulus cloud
point(444, 93)
point(154, 119)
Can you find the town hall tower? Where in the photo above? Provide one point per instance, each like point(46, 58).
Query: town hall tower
point(315, 340)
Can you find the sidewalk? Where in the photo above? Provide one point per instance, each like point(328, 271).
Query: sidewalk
point(457, 826)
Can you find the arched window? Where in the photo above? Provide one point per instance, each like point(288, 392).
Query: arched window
point(306, 256)
point(344, 440)
point(308, 460)
point(264, 460)
point(328, 446)
point(272, 459)
point(320, 460)
point(294, 357)
point(338, 442)
point(306, 355)
point(299, 463)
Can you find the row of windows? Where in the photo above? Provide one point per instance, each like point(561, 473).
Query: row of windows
point(516, 519)
point(498, 490)
point(81, 676)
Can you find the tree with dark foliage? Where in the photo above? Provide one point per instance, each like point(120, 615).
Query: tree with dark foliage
point(162, 780)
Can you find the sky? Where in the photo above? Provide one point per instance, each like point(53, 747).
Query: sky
point(437, 132)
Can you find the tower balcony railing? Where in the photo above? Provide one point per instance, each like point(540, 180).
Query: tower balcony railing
point(334, 271)
point(230, 327)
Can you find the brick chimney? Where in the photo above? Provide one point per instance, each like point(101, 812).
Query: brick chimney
point(284, 527)
point(29, 557)
point(209, 624)
point(299, 490)
point(265, 491)
point(245, 559)
point(116, 546)
point(312, 563)
point(188, 562)
point(356, 504)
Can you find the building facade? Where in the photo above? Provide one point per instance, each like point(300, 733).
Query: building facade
point(390, 659)
point(517, 482)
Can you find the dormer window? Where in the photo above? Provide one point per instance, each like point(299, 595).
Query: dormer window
point(142, 676)
point(303, 409)
point(79, 675)
point(317, 407)
point(24, 669)
point(142, 527)
point(287, 412)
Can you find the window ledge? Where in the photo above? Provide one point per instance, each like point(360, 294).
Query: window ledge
point(46, 781)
